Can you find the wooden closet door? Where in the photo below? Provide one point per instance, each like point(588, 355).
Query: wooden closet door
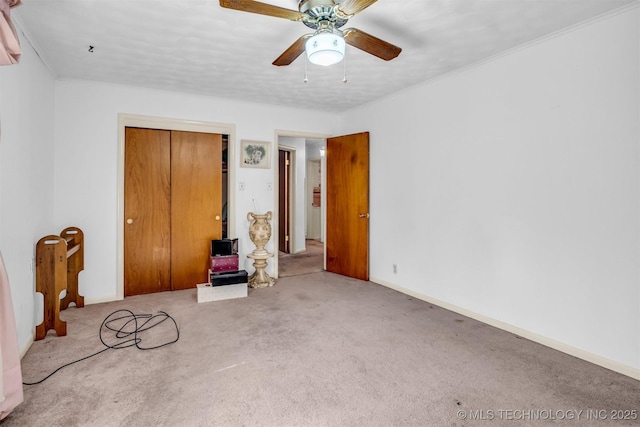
point(196, 205)
point(147, 207)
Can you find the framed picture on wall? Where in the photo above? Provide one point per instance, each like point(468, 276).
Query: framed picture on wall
point(255, 154)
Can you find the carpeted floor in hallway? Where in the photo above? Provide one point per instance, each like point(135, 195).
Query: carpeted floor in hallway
point(309, 261)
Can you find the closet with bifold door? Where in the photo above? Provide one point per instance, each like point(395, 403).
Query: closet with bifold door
point(172, 208)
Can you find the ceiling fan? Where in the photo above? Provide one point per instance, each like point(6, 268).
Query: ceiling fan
point(326, 45)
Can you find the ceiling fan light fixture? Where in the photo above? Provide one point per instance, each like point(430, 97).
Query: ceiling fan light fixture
point(325, 48)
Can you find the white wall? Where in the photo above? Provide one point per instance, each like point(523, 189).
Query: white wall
point(26, 179)
point(86, 137)
point(514, 191)
point(315, 216)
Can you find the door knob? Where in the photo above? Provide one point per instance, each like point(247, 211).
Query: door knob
point(129, 221)
point(217, 217)
point(363, 215)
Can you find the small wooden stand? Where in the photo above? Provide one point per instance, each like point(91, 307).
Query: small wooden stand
point(59, 259)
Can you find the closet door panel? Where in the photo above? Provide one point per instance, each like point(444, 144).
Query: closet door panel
point(147, 206)
point(196, 211)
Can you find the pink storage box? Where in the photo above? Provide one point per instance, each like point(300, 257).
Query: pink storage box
point(224, 263)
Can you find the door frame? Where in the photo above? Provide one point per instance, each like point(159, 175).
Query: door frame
point(276, 196)
point(164, 123)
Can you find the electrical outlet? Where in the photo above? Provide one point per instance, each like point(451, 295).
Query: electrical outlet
point(395, 269)
point(241, 186)
point(269, 186)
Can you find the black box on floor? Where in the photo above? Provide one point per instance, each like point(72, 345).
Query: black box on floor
point(224, 247)
point(228, 278)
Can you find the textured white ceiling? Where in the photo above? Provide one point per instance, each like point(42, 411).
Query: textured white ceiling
point(197, 46)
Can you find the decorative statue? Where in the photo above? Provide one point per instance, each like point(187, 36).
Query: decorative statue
point(260, 233)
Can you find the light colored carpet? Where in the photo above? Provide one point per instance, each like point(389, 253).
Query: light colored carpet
point(309, 261)
point(314, 350)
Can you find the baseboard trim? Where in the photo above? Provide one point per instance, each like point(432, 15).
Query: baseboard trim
point(540, 339)
point(100, 300)
point(27, 345)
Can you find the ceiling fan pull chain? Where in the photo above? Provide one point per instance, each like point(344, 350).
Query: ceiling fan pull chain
point(305, 69)
point(344, 79)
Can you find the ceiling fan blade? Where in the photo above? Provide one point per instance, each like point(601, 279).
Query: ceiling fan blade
point(262, 9)
point(292, 52)
point(371, 44)
point(349, 8)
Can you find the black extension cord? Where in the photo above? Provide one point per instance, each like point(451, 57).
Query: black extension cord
point(127, 329)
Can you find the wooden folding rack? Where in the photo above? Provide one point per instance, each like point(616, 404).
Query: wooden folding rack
point(59, 259)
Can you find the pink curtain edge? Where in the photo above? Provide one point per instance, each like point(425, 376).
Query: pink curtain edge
point(9, 41)
point(9, 352)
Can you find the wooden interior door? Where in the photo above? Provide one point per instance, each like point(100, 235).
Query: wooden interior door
point(347, 205)
point(196, 205)
point(284, 179)
point(147, 228)
point(173, 187)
